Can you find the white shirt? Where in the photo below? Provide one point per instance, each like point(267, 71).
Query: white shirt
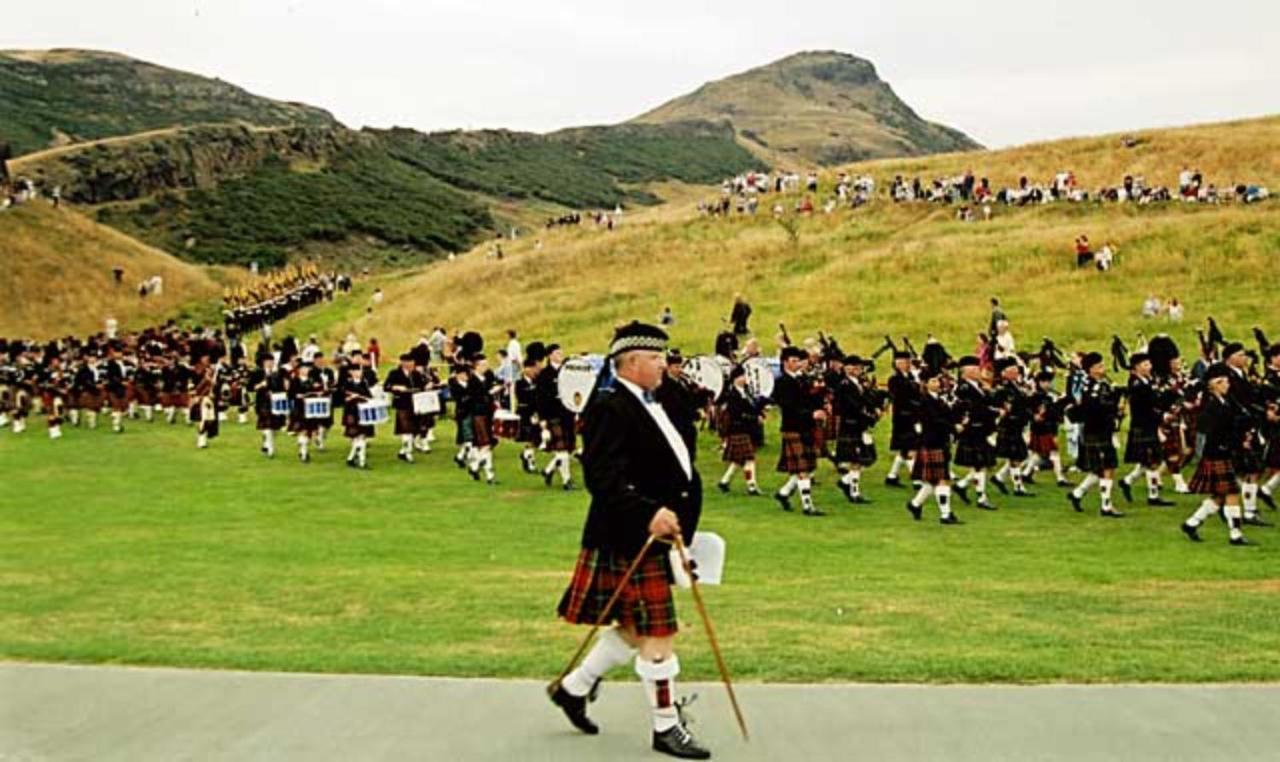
point(664, 423)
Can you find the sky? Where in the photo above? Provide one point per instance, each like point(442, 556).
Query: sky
point(1004, 72)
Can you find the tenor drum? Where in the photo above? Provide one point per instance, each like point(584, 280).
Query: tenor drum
point(760, 377)
point(372, 413)
point(426, 403)
point(279, 403)
point(575, 383)
point(506, 424)
point(706, 371)
point(316, 408)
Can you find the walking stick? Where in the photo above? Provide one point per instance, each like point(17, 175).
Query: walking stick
point(604, 613)
point(711, 636)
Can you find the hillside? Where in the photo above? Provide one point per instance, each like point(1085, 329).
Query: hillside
point(885, 268)
point(44, 246)
point(814, 108)
point(54, 97)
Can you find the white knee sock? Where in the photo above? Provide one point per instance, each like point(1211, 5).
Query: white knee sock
point(728, 473)
point(1206, 509)
point(1133, 475)
point(1249, 496)
point(790, 486)
point(749, 473)
point(898, 462)
point(659, 685)
point(855, 482)
point(964, 481)
point(406, 444)
point(1056, 460)
point(302, 444)
point(609, 651)
point(1179, 483)
point(1153, 484)
point(1085, 485)
point(565, 474)
point(1104, 489)
point(1272, 483)
point(1233, 521)
point(806, 493)
point(486, 462)
point(980, 488)
point(925, 491)
point(942, 494)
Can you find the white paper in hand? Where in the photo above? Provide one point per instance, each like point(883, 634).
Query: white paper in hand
point(706, 553)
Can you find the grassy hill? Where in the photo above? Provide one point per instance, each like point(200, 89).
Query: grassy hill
point(53, 97)
point(58, 277)
point(900, 269)
point(814, 108)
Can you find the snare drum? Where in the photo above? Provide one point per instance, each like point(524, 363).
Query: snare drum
point(506, 424)
point(316, 408)
point(426, 403)
point(372, 413)
point(279, 403)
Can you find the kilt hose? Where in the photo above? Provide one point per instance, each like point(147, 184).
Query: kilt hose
point(933, 466)
point(739, 449)
point(1097, 455)
point(1215, 477)
point(798, 456)
point(645, 605)
point(1143, 448)
point(975, 452)
point(1011, 445)
point(1044, 444)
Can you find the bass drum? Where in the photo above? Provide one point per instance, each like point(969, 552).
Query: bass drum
point(704, 371)
point(759, 377)
point(575, 383)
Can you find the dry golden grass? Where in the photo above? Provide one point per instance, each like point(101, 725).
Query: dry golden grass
point(57, 275)
point(886, 268)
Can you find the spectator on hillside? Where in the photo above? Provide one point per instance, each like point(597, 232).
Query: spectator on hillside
point(1151, 307)
point(1084, 252)
point(373, 352)
point(1105, 256)
point(740, 315)
point(667, 318)
point(514, 350)
point(1005, 346)
point(997, 315)
point(437, 343)
point(1175, 310)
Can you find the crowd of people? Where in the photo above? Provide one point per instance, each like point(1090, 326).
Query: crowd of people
point(997, 414)
point(277, 295)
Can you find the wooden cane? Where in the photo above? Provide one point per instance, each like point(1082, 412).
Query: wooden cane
point(604, 613)
point(711, 636)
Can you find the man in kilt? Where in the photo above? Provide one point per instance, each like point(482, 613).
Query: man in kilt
point(978, 414)
point(525, 390)
point(1250, 411)
point(354, 388)
point(464, 406)
point(483, 384)
point(933, 457)
point(307, 383)
point(86, 391)
point(1098, 413)
point(858, 414)
point(1215, 477)
point(116, 386)
point(206, 398)
point(741, 419)
point(1046, 420)
point(1271, 393)
point(1015, 401)
point(801, 411)
point(905, 393)
point(1146, 415)
point(264, 382)
point(558, 421)
point(1178, 431)
point(642, 482)
point(403, 381)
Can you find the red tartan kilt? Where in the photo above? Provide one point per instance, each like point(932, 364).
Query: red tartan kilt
point(89, 401)
point(645, 604)
point(739, 449)
point(932, 466)
point(1215, 477)
point(819, 437)
point(797, 456)
point(1171, 447)
point(831, 428)
point(482, 432)
point(560, 440)
point(119, 402)
point(406, 422)
point(1044, 445)
point(722, 421)
point(174, 399)
point(144, 395)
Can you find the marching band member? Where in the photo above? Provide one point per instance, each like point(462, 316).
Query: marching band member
point(1146, 415)
point(525, 390)
point(1015, 403)
point(742, 418)
point(1215, 477)
point(932, 467)
point(557, 420)
point(1046, 420)
point(904, 391)
point(1098, 412)
point(265, 381)
point(403, 382)
point(355, 389)
point(800, 412)
point(978, 412)
point(858, 413)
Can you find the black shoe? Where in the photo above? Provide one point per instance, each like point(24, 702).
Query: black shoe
point(404, 457)
point(950, 520)
point(914, 510)
point(1000, 485)
point(722, 487)
point(1028, 479)
point(459, 461)
point(1065, 483)
point(961, 492)
point(1159, 502)
point(892, 481)
point(987, 506)
point(1023, 493)
point(783, 501)
point(1265, 498)
point(491, 482)
point(351, 464)
point(568, 487)
point(1127, 490)
point(1192, 533)
point(1240, 542)
point(1075, 502)
point(475, 474)
point(1112, 514)
point(677, 741)
point(753, 492)
point(575, 708)
point(814, 512)
point(859, 500)
point(1255, 521)
point(547, 476)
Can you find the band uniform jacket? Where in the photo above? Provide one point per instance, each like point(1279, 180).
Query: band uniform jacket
point(631, 471)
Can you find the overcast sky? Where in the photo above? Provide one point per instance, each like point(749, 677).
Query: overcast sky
point(1004, 72)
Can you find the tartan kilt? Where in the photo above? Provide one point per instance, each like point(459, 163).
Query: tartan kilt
point(465, 432)
point(932, 466)
point(831, 430)
point(1215, 477)
point(645, 604)
point(562, 437)
point(1044, 445)
point(144, 395)
point(722, 420)
point(530, 433)
point(797, 455)
point(406, 422)
point(265, 420)
point(89, 401)
point(1143, 447)
point(739, 449)
point(351, 427)
point(904, 437)
point(852, 450)
point(975, 453)
point(1011, 445)
point(482, 432)
point(1171, 448)
point(1247, 462)
point(119, 401)
point(1097, 456)
point(174, 399)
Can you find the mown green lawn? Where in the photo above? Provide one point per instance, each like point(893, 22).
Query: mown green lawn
point(139, 549)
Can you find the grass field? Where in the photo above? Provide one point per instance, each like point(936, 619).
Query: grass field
point(138, 549)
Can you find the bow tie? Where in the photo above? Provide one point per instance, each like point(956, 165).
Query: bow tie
point(648, 397)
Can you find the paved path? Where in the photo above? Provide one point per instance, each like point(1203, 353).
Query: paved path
point(110, 713)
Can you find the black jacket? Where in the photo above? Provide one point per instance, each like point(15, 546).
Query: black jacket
point(631, 472)
point(1144, 406)
point(682, 404)
point(791, 395)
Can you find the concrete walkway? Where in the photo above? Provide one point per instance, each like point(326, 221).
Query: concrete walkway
point(110, 713)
